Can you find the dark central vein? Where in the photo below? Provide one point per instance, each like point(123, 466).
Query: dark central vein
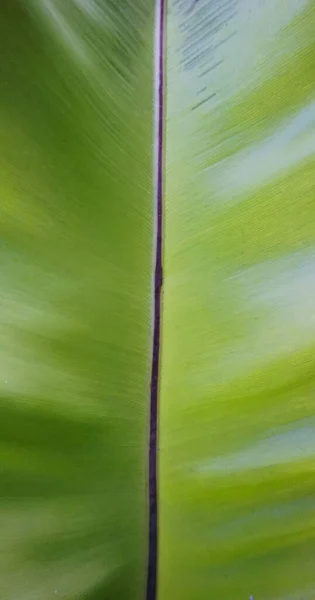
point(153, 503)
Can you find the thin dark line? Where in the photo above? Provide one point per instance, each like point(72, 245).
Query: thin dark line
point(204, 101)
point(153, 502)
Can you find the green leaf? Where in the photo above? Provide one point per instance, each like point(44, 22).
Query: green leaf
point(76, 219)
point(237, 384)
point(78, 223)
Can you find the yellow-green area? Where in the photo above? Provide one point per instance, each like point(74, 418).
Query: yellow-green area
point(76, 236)
point(237, 426)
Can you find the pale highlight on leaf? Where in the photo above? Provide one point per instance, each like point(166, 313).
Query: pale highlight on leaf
point(237, 385)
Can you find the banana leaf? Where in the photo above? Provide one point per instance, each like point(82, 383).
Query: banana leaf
point(237, 426)
point(76, 277)
point(157, 430)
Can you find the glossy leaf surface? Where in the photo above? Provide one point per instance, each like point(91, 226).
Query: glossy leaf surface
point(76, 93)
point(78, 227)
point(237, 424)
